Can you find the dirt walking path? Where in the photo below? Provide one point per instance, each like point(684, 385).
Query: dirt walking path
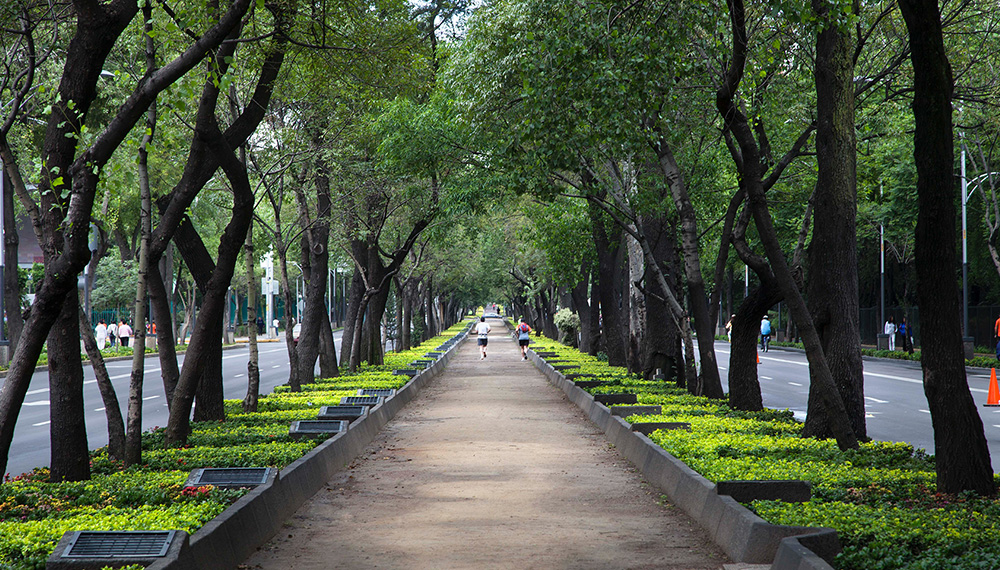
point(488, 467)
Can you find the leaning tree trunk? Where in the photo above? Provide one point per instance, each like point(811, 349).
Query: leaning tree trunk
point(112, 410)
point(960, 447)
point(751, 170)
point(207, 328)
point(704, 320)
point(833, 260)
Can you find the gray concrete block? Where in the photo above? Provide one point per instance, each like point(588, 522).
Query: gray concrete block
point(814, 551)
point(626, 411)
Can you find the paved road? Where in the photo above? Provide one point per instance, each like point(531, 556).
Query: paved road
point(30, 447)
point(894, 396)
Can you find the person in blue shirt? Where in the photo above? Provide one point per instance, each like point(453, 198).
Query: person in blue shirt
point(765, 333)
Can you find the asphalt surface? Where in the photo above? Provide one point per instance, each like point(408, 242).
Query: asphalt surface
point(30, 447)
point(896, 408)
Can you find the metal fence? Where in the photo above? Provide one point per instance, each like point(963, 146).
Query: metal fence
point(981, 322)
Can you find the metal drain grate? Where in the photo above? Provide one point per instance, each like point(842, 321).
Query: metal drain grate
point(318, 426)
point(384, 392)
point(119, 544)
point(361, 400)
point(341, 412)
point(229, 476)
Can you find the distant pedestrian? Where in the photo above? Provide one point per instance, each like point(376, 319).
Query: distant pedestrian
point(996, 336)
point(124, 332)
point(890, 329)
point(483, 330)
point(101, 334)
point(112, 334)
point(906, 335)
point(729, 328)
point(523, 333)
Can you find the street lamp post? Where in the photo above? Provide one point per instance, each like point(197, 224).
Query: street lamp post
point(968, 187)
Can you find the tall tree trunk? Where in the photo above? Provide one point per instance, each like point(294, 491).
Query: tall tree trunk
point(704, 320)
point(11, 284)
point(166, 341)
point(581, 302)
point(68, 433)
point(637, 307)
point(206, 330)
point(315, 262)
point(833, 260)
point(253, 364)
point(328, 367)
point(355, 295)
point(133, 427)
point(406, 317)
point(373, 347)
point(751, 170)
point(596, 334)
point(744, 384)
point(963, 457)
point(609, 261)
point(112, 409)
point(294, 379)
point(662, 335)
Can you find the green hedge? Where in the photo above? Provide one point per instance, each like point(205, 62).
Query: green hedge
point(34, 514)
point(881, 498)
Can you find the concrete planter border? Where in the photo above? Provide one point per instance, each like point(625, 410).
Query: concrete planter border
point(744, 536)
point(228, 539)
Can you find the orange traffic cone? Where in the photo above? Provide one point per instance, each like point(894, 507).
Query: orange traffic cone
point(993, 397)
point(758, 358)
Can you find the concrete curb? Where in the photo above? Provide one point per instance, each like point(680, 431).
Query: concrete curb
point(743, 536)
point(228, 539)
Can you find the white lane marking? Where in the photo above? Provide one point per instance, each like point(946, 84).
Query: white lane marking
point(40, 424)
point(996, 426)
point(876, 400)
point(276, 366)
point(790, 383)
point(766, 378)
point(38, 403)
point(924, 411)
point(100, 409)
point(240, 375)
point(150, 398)
point(38, 391)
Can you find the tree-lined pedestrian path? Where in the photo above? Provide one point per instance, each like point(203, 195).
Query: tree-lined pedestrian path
point(489, 467)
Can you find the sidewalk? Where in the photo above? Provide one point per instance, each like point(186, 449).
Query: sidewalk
point(489, 467)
